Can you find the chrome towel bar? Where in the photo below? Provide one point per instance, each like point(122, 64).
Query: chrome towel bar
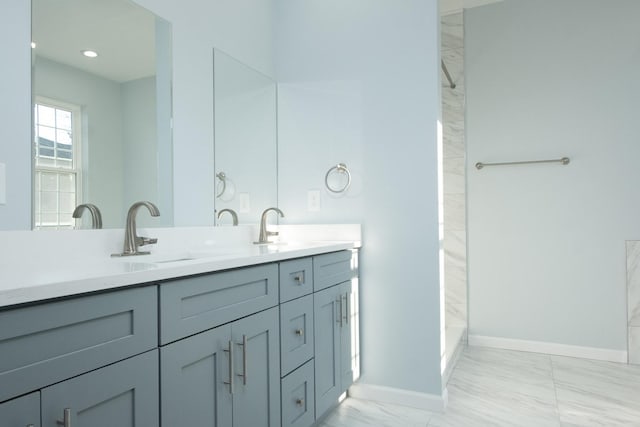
point(563, 161)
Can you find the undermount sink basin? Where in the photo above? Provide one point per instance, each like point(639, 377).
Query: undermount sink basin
point(191, 255)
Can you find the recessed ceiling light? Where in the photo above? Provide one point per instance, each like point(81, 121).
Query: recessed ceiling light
point(90, 53)
point(33, 45)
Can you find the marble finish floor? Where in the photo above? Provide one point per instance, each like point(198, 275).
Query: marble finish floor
point(492, 387)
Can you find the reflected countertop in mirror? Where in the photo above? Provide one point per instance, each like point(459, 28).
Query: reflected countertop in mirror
point(102, 125)
point(245, 154)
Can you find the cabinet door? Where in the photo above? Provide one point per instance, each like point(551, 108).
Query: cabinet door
point(256, 401)
point(193, 376)
point(21, 412)
point(346, 353)
point(123, 394)
point(327, 322)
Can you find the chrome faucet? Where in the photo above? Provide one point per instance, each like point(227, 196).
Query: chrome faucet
point(96, 216)
point(131, 239)
point(264, 234)
point(234, 215)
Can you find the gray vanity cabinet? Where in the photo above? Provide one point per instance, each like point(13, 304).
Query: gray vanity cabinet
point(124, 394)
point(21, 412)
point(333, 372)
point(202, 386)
point(261, 346)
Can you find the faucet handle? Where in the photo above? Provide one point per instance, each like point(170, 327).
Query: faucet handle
point(142, 241)
point(273, 233)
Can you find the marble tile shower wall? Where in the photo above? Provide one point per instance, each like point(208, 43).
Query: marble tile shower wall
point(633, 301)
point(455, 269)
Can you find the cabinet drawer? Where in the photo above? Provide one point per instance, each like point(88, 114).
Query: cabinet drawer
point(195, 304)
point(296, 278)
point(298, 396)
point(47, 343)
point(331, 269)
point(296, 333)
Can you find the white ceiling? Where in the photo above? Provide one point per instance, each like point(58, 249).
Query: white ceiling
point(122, 33)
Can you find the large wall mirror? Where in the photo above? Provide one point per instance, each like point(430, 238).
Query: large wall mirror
point(102, 124)
point(245, 140)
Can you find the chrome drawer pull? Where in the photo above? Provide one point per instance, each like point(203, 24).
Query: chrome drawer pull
point(244, 360)
point(347, 308)
point(230, 382)
point(66, 421)
point(300, 402)
point(299, 278)
point(299, 332)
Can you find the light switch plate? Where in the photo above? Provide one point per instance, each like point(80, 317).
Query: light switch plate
point(3, 184)
point(245, 202)
point(313, 200)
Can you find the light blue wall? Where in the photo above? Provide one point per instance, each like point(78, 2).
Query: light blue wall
point(359, 84)
point(546, 79)
point(15, 113)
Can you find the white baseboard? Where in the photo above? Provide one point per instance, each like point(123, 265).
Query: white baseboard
point(396, 396)
point(549, 348)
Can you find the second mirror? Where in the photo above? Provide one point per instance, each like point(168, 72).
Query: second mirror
point(245, 140)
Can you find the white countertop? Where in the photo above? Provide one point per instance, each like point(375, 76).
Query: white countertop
point(37, 275)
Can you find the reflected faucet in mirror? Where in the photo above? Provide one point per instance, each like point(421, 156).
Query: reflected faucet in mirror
point(96, 216)
point(131, 239)
point(264, 234)
point(234, 215)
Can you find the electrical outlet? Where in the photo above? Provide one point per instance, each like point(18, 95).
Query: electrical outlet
point(313, 200)
point(245, 202)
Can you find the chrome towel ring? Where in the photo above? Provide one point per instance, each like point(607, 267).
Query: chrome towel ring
point(222, 185)
point(342, 169)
